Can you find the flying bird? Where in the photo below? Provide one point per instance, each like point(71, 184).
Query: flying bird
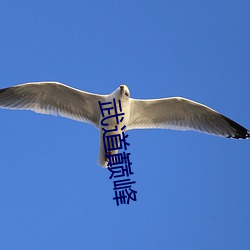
point(175, 113)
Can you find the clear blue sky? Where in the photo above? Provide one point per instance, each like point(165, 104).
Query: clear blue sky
point(193, 189)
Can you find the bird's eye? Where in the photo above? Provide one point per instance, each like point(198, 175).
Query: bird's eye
point(126, 93)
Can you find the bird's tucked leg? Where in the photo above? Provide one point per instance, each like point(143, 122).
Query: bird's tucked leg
point(106, 156)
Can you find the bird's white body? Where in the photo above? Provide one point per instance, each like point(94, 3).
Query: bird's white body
point(112, 123)
point(167, 113)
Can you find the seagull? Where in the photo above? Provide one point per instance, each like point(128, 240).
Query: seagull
point(175, 113)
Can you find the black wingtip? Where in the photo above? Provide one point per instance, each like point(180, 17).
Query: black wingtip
point(3, 90)
point(239, 131)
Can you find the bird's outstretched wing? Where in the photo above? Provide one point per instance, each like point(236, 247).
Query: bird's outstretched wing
point(53, 98)
point(182, 114)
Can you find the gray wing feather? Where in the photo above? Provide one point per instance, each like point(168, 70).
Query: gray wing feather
point(53, 98)
point(182, 114)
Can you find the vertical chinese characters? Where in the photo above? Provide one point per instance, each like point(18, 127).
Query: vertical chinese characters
point(114, 139)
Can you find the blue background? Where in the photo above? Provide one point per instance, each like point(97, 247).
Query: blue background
point(193, 189)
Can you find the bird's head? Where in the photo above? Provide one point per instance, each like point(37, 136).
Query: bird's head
point(121, 93)
point(124, 91)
